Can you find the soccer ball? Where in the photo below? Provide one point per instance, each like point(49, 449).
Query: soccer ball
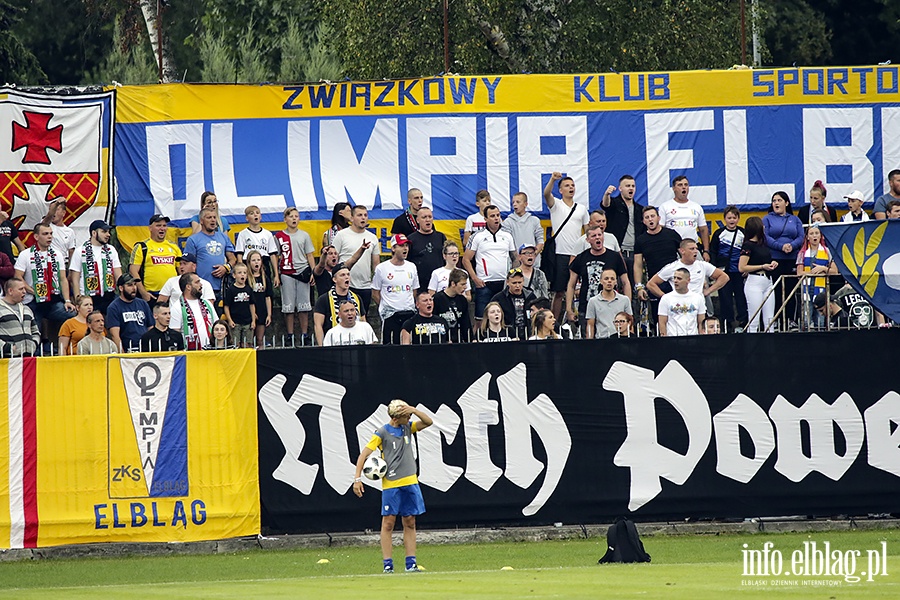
point(374, 468)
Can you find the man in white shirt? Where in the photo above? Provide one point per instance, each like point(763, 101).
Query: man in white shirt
point(95, 267)
point(685, 216)
point(192, 315)
point(488, 258)
point(350, 331)
point(393, 289)
point(347, 242)
point(568, 220)
point(171, 290)
point(681, 311)
point(700, 271)
point(63, 235)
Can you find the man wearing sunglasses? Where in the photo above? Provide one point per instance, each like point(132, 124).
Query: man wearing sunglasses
point(516, 303)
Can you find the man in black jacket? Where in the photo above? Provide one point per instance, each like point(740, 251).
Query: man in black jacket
point(624, 217)
point(516, 302)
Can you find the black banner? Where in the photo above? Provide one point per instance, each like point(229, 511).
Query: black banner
point(584, 431)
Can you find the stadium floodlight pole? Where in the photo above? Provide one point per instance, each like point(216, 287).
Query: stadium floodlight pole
point(743, 32)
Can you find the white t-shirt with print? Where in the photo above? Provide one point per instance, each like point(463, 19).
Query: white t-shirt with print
point(700, 271)
point(397, 284)
point(682, 311)
point(683, 217)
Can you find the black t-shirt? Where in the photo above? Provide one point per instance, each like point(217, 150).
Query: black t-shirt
point(259, 297)
point(405, 224)
point(329, 310)
point(758, 254)
point(589, 268)
point(657, 249)
point(455, 311)
point(507, 334)
point(238, 301)
point(162, 341)
point(8, 233)
point(426, 252)
point(323, 282)
point(427, 330)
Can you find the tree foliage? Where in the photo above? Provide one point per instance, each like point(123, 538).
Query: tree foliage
point(17, 63)
point(405, 37)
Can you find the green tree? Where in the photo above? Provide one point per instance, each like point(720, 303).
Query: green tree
point(127, 64)
point(405, 38)
point(17, 63)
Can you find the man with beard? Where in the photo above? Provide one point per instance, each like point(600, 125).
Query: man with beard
point(326, 313)
point(424, 327)
point(426, 247)
point(160, 338)
point(451, 305)
point(193, 315)
point(129, 317)
point(95, 267)
point(393, 288)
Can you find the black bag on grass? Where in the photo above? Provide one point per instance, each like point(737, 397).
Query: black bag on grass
point(624, 544)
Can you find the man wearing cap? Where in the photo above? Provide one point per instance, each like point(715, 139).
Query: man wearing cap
point(845, 308)
point(128, 317)
point(535, 280)
point(326, 313)
point(516, 303)
point(153, 260)
point(214, 252)
point(854, 204)
point(171, 292)
point(426, 247)
point(490, 254)
point(393, 287)
point(43, 270)
point(95, 267)
point(63, 235)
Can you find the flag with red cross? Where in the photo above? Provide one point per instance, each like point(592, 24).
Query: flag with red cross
point(51, 147)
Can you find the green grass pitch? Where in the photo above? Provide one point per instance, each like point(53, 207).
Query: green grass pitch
point(688, 566)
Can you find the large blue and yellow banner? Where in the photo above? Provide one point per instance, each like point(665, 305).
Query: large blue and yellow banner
point(132, 448)
point(738, 135)
point(867, 254)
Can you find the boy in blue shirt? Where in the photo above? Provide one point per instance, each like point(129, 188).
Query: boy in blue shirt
point(400, 487)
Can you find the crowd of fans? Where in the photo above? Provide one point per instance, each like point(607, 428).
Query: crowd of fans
point(621, 270)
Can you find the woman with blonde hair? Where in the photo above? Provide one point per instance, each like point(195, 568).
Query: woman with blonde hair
point(493, 326)
point(208, 199)
point(542, 325)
